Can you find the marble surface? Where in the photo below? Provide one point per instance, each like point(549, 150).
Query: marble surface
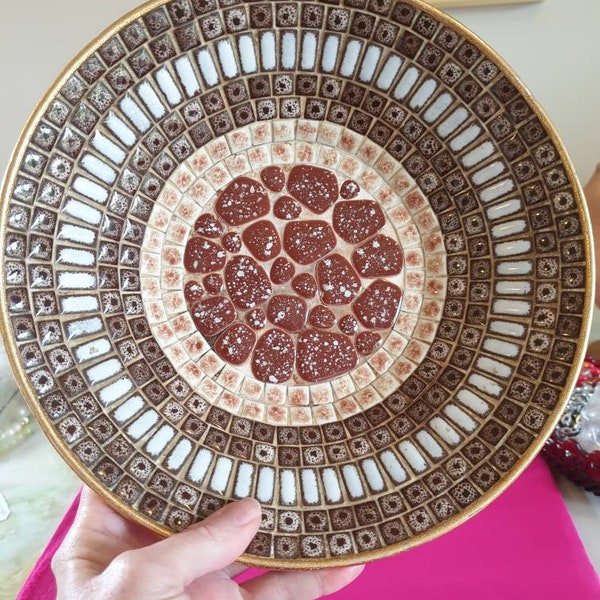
point(38, 487)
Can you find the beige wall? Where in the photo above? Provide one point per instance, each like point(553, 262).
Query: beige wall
point(553, 46)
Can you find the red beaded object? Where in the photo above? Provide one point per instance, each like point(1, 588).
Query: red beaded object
point(574, 447)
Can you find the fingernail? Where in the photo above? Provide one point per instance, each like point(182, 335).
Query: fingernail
point(356, 569)
point(244, 512)
point(351, 573)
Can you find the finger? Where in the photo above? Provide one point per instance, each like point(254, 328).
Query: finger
point(234, 570)
point(199, 550)
point(305, 585)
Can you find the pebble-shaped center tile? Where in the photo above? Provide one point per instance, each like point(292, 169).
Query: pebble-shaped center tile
point(298, 274)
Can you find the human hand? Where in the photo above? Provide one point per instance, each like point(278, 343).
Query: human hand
point(592, 196)
point(106, 556)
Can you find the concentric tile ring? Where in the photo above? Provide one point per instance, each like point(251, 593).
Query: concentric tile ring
point(437, 121)
point(423, 281)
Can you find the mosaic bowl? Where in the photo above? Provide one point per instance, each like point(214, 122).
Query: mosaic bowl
point(330, 255)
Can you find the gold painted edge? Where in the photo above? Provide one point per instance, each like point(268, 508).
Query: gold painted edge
point(311, 564)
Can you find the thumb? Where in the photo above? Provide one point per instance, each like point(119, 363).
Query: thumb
point(203, 548)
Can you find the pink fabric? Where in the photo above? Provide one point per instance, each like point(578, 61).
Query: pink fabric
point(523, 546)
